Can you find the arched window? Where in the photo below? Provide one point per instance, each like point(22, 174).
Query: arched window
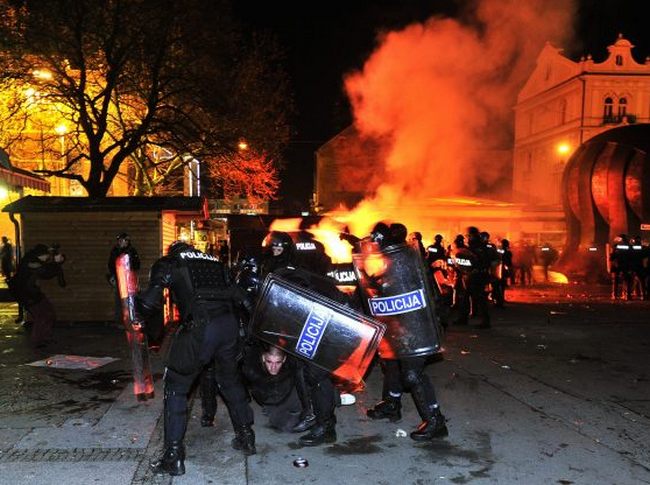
point(608, 110)
point(619, 60)
point(622, 108)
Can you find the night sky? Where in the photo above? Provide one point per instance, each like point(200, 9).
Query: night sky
point(324, 41)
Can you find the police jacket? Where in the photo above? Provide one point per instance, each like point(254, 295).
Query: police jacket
point(195, 280)
point(435, 252)
point(265, 388)
point(311, 256)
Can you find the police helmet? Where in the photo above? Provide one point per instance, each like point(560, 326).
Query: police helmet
point(278, 240)
point(123, 235)
point(485, 236)
point(178, 246)
point(505, 243)
point(398, 233)
point(40, 250)
point(438, 238)
point(416, 235)
point(380, 233)
point(459, 239)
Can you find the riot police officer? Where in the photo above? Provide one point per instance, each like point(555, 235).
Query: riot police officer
point(506, 272)
point(415, 239)
point(199, 286)
point(435, 251)
point(406, 374)
point(479, 276)
point(315, 387)
point(620, 266)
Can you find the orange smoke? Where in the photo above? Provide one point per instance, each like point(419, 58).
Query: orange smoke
point(438, 94)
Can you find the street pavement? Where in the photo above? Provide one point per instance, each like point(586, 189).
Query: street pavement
point(555, 393)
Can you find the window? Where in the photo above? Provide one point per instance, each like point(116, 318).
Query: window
point(619, 60)
point(608, 111)
point(622, 108)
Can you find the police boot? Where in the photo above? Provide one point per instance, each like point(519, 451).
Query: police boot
point(307, 421)
point(319, 434)
point(244, 440)
point(390, 408)
point(433, 427)
point(172, 460)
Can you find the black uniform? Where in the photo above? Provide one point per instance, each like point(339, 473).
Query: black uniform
point(621, 267)
point(501, 284)
point(406, 374)
point(209, 330)
point(318, 392)
point(277, 394)
point(479, 277)
point(39, 263)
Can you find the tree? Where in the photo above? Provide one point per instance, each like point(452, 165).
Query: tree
point(246, 174)
point(126, 78)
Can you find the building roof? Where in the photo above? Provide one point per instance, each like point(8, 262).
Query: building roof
point(17, 177)
point(33, 203)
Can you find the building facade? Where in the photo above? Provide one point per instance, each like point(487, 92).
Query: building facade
point(565, 103)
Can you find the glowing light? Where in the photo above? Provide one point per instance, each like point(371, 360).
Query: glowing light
point(42, 74)
point(556, 277)
point(61, 129)
point(242, 145)
point(4, 193)
point(563, 148)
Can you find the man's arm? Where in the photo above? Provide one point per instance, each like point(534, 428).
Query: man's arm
point(150, 300)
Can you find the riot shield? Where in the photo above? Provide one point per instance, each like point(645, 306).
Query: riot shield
point(315, 328)
point(127, 284)
point(396, 291)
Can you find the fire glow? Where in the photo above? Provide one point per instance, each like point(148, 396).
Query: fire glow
point(436, 96)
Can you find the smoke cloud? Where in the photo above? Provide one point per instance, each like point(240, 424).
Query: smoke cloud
point(443, 91)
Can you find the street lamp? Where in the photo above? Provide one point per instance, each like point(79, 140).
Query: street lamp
point(562, 149)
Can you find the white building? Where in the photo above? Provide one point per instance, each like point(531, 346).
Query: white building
point(565, 103)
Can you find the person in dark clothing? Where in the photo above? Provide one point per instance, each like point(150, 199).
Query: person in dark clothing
point(41, 262)
point(435, 251)
point(479, 277)
point(548, 256)
point(200, 287)
point(415, 239)
point(406, 373)
point(320, 391)
point(506, 273)
point(122, 246)
point(6, 258)
point(271, 379)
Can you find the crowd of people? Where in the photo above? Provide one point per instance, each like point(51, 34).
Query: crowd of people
point(629, 267)
point(215, 347)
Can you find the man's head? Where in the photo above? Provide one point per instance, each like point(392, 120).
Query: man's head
point(278, 243)
point(4, 239)
point(42, 252)
point(272, 359)
point(123, 239)
point(438, 238)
